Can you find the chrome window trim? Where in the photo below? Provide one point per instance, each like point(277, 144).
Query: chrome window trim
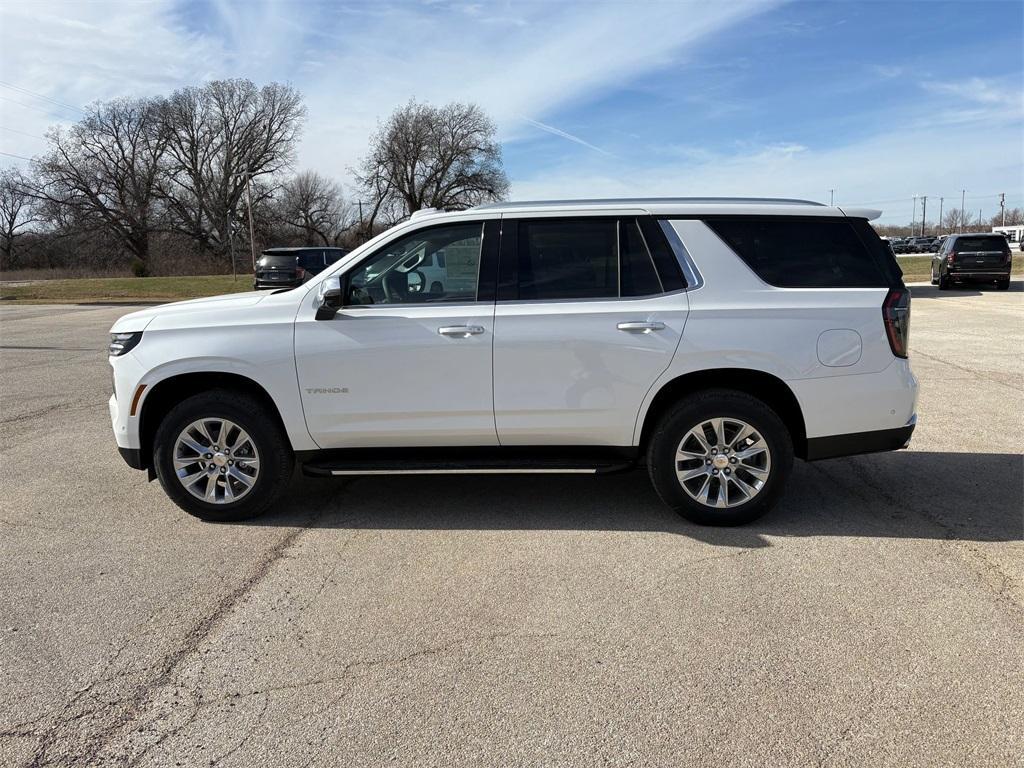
point(694, 279)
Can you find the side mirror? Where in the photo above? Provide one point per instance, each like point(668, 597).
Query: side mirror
point(328, 299)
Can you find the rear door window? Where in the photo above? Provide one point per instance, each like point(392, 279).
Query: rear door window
point(804, 253)
point(568, 259)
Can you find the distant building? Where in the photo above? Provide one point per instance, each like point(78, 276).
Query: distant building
point(1014, 232)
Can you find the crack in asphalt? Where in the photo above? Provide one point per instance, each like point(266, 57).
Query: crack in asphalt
point(1003, 592)
point(970, 372)
point(140, 699)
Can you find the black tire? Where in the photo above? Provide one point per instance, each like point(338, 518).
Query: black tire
point(709, 404)
point(943, 281)
point(275, 453)
point(935, 280)
point(1003, 285)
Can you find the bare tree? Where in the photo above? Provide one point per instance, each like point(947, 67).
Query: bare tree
point(432, 157)
point(955, 219)
point(313, 207)
point(1013, 217)
point(221, 133)
point(102, 171)
point(18, 211)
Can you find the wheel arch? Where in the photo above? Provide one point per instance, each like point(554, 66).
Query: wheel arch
point(168, 392)
point(769, 389)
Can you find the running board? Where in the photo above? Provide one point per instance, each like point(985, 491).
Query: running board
point(462, 462)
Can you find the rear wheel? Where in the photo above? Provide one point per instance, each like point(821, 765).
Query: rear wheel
point(943, 281)
point(221, 457)
point(935, 280)
point(720, 457)
point(1003, 285)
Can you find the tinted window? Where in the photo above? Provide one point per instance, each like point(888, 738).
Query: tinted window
point(406, 272)
point(802, 253)
point(568, 259)
point(639, 278)
point(311, 259)
point(984, 243)
point(276, 260)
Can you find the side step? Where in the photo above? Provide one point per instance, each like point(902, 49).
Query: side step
point(457, 461)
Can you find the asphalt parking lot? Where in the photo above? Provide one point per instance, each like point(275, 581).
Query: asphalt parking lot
point(875, 618)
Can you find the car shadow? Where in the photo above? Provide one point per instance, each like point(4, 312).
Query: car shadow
point(968, 289)
point(906, 494)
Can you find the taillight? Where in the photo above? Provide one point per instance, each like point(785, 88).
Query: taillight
point(300, 273)
point(896, 317)
point(951, 259)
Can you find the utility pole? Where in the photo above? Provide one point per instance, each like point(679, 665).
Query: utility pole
point(361, 234)
point(913, 218)
point(940, 213)
point(831, 197)
point(963, 207)
point(979, 218)
point(1002, 209)
point(924, 213)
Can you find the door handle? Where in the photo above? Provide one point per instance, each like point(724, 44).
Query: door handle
point(644, 327)
point(461, 331)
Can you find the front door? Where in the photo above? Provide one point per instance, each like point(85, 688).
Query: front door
point(406, 361)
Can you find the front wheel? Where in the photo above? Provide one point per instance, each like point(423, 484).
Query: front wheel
point(720, 457)
point(220, 456)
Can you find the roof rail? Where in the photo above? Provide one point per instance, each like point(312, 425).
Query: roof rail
point(650, 201)
point(422, 212)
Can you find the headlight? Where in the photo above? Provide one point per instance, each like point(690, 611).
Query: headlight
point(122, 343)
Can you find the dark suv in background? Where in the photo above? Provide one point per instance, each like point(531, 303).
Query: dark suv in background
point(289, 267)
point(976, 258)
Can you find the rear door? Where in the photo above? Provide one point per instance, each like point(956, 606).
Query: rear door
point(587, 319)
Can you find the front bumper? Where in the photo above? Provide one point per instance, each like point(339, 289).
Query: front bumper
point(132, 457)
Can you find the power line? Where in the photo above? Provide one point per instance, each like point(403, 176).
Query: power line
point(41, 96)
point(20, 157)
point(23, 133)
point(36, 107)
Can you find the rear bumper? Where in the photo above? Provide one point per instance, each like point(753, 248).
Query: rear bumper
point(988, 274)
point(834, 446)
point(258, 284)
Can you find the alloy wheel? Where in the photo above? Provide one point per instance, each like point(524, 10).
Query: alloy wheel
point(216, 461)
point(723, 462)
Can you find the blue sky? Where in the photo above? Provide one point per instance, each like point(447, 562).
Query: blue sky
point(880, 101)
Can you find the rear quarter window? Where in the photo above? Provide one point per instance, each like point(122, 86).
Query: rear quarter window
point(806, 253)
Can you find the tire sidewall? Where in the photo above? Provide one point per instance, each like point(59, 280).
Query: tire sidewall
point(676, 423)
point(274, 454)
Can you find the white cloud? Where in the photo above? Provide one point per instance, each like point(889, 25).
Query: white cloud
point(937, 161)
point(977, 90)
point(354, 64)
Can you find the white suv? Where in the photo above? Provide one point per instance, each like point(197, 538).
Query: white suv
point(711, 340)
